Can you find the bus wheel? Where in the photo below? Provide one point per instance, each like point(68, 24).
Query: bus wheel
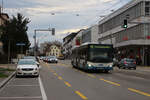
point(106, 71)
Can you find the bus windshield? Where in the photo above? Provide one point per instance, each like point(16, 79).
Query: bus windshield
point(100, 55)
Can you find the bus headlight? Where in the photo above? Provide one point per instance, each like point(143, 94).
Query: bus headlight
point(110, 65)
point(89, 65)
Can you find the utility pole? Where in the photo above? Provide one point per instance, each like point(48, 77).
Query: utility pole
point(35, 45)
point(8, 51)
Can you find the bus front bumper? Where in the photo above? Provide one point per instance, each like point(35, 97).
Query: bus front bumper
point(100, 68)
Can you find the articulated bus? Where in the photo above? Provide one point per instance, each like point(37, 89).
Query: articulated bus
point(93, 57)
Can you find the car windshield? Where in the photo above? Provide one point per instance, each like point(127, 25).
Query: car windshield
point(103, 55)
point(130, 60)
point(26, 62)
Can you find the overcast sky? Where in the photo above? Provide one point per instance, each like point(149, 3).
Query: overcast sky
point(69, 15)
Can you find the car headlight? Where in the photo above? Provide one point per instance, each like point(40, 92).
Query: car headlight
point(18, 69)
point(36, 68)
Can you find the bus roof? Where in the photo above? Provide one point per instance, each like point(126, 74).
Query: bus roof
point(89, 43)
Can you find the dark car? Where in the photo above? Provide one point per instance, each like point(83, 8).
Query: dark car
point(115, 62)
point(127, 63)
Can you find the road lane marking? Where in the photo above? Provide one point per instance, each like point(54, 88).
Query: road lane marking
point(64, 65)
point(52, 71)
point(110, 82)
point(139, 92)
point(60, 78)
point(55, 74)
point(90, 75)
point(69, 85)
point(44, 97)
point(81, 95)
point(22, 85)
point(37, 97)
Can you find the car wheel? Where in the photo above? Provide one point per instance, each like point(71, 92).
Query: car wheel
point(106, 71)
point(17, 76)
point(135, 68)
point(37, 75)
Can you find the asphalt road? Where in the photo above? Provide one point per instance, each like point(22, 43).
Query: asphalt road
point(62, 82)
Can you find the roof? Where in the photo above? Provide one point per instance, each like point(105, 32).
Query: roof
point(4, 14)
point(72, 35)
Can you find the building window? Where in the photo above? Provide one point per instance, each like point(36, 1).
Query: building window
point(147, 8)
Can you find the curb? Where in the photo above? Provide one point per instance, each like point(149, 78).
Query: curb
point(3, 83)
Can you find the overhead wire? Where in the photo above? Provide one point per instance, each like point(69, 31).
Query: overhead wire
point(98, 15)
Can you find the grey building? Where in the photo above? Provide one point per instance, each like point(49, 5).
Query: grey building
point(90, 34)
point(133, 41)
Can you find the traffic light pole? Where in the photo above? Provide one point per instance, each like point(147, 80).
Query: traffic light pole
point(35, 45)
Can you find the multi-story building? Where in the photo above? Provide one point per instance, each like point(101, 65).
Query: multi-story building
point(133, 41)
point(67, 44)
point(90, 34)
point(54, 50)
point(77, 40)
point(82, 36)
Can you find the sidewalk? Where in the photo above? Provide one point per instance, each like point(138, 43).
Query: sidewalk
point(6, 70)
point(143, 68)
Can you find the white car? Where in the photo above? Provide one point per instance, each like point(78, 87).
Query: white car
point(27, 67)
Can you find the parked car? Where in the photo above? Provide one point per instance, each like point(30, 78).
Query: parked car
point(115, 62)
point(27, 67)
point(127, 63)
point(33, 58)
point(52, 59)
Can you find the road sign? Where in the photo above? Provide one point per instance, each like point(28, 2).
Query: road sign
point(20, 44)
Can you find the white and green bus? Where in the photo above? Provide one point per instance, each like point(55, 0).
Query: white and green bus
point(93, 57)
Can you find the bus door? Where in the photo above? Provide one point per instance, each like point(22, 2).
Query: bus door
point(83, 57)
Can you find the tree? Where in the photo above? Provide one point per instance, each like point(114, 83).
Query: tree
point(15, 31)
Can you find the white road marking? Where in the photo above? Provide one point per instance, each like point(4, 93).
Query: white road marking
point(7, 84)
point(42, 89)
point(22, 85)
point(38, 97)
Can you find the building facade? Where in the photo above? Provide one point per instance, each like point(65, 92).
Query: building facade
point(133, 41)
point(54, 50)
point(90, 34)
point(67, 44)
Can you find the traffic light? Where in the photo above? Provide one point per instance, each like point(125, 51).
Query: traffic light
point(125, 23)
point(53, 31)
